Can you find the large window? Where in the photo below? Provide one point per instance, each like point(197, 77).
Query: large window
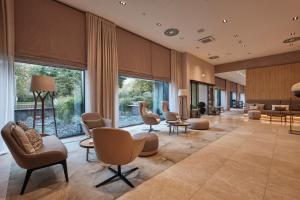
point(132, 91)
point(68, 100)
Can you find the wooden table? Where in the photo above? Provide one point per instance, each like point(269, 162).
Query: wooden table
point(176, 124)
point(87, 143)
point(281, 115)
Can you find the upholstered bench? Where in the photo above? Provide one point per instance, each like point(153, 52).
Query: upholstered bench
point(198, 123)
point(254, 114)
point(151, 144)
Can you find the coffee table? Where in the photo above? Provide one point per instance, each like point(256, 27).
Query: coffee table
point(176, 124)
point(281, 115)
point(87, 143)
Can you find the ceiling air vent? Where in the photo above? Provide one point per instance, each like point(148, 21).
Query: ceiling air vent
point(207, 39)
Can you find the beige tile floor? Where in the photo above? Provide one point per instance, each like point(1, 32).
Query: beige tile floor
point(257, 160)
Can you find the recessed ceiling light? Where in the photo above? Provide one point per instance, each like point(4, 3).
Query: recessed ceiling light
point(224, 20)
point(295, 18)
point(201, 30)
point(291, 40)
point(158, 24)
point(122, 3)
point(171, 32)
point(203, 75)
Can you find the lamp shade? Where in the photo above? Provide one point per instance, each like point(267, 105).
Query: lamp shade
point(296, 89)
point(42, 84)
point(183, 92)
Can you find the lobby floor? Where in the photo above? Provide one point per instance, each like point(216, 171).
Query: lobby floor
point(257, 160)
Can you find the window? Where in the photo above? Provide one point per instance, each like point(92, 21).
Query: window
point(69, 99)
point(132, 91)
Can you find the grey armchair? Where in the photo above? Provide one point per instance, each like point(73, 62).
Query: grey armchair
point(117, 147)
point(93, 116)
point(52, 152)
point(148, 117)
point(169, 116)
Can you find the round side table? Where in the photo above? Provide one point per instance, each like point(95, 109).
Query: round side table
point(87, 143)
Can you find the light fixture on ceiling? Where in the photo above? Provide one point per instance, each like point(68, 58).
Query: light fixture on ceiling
point(201, 30)
point(235, 35)
point(214, 57)
point(203, 75)
point(295, 18)
point(291, 40)
point(171, 32)
point(207, 39)
point(224, 21)
point(158, 24)
point(123, 3)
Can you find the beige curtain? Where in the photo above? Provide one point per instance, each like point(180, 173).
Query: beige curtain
point(6, 65)
point(176, 80)
point(102, 67)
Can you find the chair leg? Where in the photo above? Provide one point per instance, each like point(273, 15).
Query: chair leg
point(28, 174)
point(120, 175)
point(64, 164)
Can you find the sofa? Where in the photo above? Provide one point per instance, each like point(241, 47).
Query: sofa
point(267, 107)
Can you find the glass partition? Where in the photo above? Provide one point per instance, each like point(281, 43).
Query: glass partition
point(134, 90)
point(69, 99)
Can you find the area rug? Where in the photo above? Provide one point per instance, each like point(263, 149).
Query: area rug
point(49, 183)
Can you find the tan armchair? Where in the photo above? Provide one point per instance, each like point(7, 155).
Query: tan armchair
point(148, 117)
point(169, 116)
point(52, 152)
point(117, 147)
point(93, 116)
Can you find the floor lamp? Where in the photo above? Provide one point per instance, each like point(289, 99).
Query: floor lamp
point(182, 93)
point(296, 92)
point(41, 87)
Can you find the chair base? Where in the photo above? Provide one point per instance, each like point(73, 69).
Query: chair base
point(151, 129)
point(119, 175)
point(29, 172)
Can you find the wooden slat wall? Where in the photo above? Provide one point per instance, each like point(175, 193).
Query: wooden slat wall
point(220, 83)
point(272, 83)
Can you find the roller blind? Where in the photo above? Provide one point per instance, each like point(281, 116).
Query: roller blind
point(50, 32)
point(220, 83)
point(141, 58)
point(161, 62)
point(134, 54)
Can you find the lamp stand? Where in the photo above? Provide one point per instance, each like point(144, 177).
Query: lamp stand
point(42, 96)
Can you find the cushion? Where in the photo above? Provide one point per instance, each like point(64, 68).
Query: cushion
point(22, 140)
point(22, 125)
point(34, 138)
point(97, 123)
point(285, 106)
point(260, 106)
point(253, 107)
point(280, 108)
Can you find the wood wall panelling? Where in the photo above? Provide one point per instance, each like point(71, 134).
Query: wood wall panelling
point(272, 83)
